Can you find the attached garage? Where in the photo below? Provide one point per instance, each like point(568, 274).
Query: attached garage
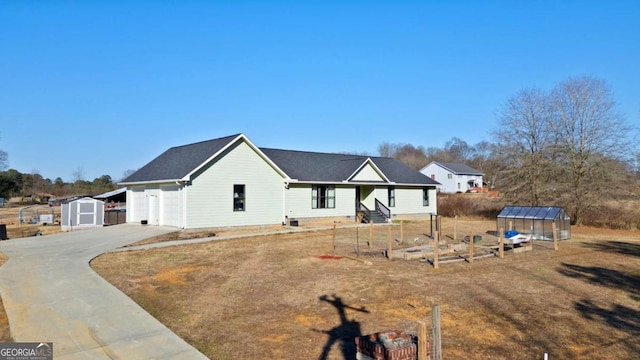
point(536, 220)
point(136, 204)
point(170, 205)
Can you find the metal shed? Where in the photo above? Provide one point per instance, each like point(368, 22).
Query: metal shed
point(81, 214)
point(536, 220)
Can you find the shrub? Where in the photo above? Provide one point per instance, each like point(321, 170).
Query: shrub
point(479, 205)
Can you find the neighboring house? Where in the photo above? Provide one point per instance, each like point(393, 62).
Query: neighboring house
point(455, 177)
point(231, 182)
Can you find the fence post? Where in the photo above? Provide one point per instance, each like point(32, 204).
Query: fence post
point(370, 234)
point(401, 231)
point(422, 340)
point(436, 351)
point(333, 242)
point(555, 236)
point(389, 242)
point(471, 248)
point(501, 230)
point(436, 263)
point(455, 228)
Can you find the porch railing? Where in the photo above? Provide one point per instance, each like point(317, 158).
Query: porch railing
point(381, 208)
point(366, 213)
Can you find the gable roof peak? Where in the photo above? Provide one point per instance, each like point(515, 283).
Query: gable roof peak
point(457, 168)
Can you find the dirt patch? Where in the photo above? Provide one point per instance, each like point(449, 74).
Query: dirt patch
point(274, 297)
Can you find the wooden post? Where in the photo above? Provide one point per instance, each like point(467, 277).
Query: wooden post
point(455, 228)
point(555, 236)
point(436, 263)
point(436, 351)
point(510, 225)
point(370, 234)
point(431, 225)
point(422, 340)
point(471, 248)
point(401, 231)
point(333, 241)
point(389, 242)
point(501, 230)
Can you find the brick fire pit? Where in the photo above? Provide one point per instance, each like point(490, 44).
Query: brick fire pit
point(387, 345)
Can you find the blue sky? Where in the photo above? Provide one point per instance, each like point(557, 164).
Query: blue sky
point(105, 86)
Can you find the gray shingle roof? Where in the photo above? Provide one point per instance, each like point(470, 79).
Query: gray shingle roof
point(313, 166)
point(460, 169)
point(177, 162)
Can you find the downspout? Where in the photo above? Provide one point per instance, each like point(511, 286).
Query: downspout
point(184, 205)
point(284, 201)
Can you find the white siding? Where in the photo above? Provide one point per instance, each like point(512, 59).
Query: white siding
point(441, 175)
point(409, 201)
point(367, 173)
point(210, 196)
point(450, 181)
point(136, 204)
point(298, 202)
point(152, 195)
point(170, 205)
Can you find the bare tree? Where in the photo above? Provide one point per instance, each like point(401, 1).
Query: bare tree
point(386, 150)
point(458, 150)
point(4, 160)
point(411, 156)
point(128, 173)
point(78, 174)
point(486, 158)
point(406, 153)
point(589, 129)
point(525, 138)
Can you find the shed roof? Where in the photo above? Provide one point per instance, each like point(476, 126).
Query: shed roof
point(532, 212)
point(111, 193)
point(178, 162)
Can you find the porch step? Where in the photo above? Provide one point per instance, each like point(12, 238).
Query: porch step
point(377, 218)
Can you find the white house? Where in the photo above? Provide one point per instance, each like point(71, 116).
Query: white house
point(231, 182)
point(454, 177)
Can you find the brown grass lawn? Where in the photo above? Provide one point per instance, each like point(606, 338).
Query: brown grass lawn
point(5, 335)
point(9, 217)
point(275, 297)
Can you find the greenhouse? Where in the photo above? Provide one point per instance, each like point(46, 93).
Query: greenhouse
point(536, 220)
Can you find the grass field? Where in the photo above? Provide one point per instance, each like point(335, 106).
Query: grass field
point(277, 297)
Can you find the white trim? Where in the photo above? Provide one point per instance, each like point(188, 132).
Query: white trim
point(373, 165)
point(231, 143)
point(150, 182)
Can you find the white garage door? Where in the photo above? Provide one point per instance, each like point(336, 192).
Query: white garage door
point(170, 205)
point(138, 204)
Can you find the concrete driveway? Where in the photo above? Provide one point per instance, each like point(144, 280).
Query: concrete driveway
point(52, 295)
